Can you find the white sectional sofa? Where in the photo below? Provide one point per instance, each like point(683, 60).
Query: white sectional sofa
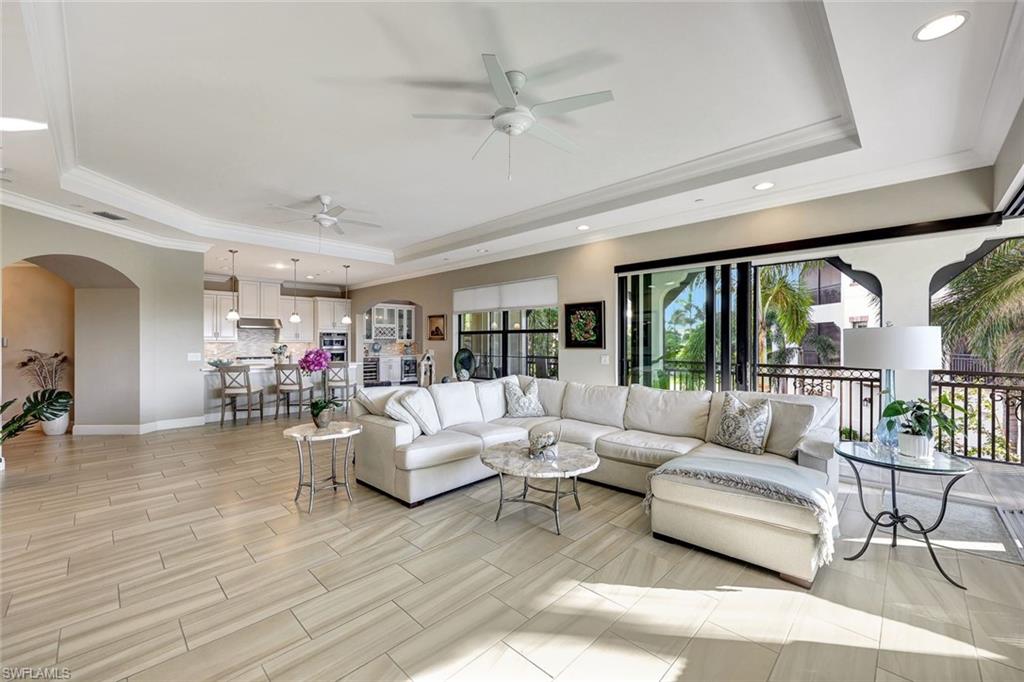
point(634, 430)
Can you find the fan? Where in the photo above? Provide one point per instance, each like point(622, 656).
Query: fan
point(327, 216)
point(513, 118)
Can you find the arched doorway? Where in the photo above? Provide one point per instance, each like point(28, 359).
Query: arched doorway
point(87, 308)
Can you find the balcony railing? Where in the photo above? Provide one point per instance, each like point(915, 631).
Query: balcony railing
point(830, 293)
point(990, 419)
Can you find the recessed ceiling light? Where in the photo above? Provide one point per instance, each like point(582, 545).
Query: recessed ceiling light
point(481, 250)
point(583, 228)
point(943, 26)
point(310, 276)
point(279, 266)
point(762, 186)
point(20, 125)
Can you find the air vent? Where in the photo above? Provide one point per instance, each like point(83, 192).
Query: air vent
point(108, 215)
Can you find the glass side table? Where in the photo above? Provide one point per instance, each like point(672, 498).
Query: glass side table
point(954, 468)
point(333, 432)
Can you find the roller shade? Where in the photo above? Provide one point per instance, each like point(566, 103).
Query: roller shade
point(528, 293)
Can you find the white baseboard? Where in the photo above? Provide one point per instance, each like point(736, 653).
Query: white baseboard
point(135, 429)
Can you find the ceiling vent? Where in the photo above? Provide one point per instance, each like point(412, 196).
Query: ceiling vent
point(108, 215)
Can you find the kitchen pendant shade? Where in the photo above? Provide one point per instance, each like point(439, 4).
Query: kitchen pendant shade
point(347, 319)
point(232, 315)
point(294, 318)
point(913, 348)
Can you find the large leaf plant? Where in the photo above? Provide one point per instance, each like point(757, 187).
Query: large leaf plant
point(45, 405)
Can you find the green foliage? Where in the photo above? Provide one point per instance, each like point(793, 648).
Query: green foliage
point(982, 309)
point(45, 405)
point(917, 417)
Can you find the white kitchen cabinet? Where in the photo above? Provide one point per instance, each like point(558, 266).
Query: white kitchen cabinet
point(259, 299)
point(393, 323)
point(330, 312)
point(305, 329)
point(390, 370)
point(216, 326)
point(404, 323)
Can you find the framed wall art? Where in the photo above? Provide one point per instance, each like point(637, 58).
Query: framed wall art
point(584, 325)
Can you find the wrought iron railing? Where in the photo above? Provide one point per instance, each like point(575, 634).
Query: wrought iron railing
point(990, 419)
point(858, 392)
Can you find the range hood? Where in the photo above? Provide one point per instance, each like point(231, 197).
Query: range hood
point(259, 323)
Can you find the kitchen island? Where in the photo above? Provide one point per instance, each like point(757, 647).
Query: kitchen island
point(261, 375)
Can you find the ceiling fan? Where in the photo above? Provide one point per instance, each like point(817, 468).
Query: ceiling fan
point(514, 119)
point(327, 217)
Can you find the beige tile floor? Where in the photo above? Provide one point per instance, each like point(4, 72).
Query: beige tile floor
point(181, 556)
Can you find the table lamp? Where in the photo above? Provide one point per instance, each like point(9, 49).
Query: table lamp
point(892, 348)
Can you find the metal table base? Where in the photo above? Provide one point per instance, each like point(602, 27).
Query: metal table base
point(892, 518)
point(333, 478)
point(527, 487)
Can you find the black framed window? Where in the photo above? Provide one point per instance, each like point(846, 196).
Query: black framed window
point(518, 341)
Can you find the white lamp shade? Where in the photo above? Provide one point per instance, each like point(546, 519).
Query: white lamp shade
point(893, 347)
point(346, 320)
point(294, 318)
point(232, 315)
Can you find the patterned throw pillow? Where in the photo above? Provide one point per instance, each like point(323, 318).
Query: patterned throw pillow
point(744, 427)
point(523, 403)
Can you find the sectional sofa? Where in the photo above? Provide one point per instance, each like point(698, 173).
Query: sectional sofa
point(634, 430)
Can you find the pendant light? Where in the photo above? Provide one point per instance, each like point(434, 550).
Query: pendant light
point(233, 315)
point(347, 319)
point(294, 318)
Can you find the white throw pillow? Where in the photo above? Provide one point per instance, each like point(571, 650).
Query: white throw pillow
point(394, 409)
point(421, 406)
point(522, 403)
point(370, 404)
point(456, 403)
point(744, 427)
point(491, 395)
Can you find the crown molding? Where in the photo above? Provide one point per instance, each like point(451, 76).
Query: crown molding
point(48, 210)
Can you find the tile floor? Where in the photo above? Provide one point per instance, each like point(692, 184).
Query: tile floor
point(181, 556)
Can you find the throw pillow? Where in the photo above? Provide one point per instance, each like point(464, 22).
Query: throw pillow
point(421, 406)
point(744, 427)
point(394, 409)
point(369, 403)
point(523, 403)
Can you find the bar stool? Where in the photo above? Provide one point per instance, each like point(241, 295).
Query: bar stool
point(234, 382)
point(339, 379)
point(289, 381)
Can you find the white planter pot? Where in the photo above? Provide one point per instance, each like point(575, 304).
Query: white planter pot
point(56, 427)
point(919, 447)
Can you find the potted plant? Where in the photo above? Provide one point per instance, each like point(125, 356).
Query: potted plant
point(46, 371)
point(42, 406)
point(916, 422)
point(322, 409)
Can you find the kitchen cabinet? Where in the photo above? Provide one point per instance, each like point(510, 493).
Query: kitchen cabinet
point(392, 323)
point(330, 312)
point(404, 323)
point(390, 370)
point(216, 326)
point(259, 299)
point(305, 330)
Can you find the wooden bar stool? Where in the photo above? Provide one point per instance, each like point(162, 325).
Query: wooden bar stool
point(235, 382)
point(289, 381)
point(339, 380)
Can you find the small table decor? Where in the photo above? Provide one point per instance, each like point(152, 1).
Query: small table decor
point(333, 432)
point(940, 464)
point(543, 446)
point(514, 459)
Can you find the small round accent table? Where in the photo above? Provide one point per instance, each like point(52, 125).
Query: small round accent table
point(333, 432)
point(512, 459)
point(941, 464)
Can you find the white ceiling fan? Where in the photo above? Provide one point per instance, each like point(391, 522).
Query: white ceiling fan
point(327, 217)
point(513, 118)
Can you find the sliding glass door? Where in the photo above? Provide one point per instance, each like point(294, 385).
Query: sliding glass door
point(680, 327)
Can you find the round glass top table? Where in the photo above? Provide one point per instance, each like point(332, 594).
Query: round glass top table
point(513, 459)
point(940, 464)
point(333, 432)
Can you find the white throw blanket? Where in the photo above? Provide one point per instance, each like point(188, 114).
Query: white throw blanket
point(782, 483)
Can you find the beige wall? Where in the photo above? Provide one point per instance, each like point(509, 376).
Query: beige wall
point(38, 313)
point(586, 273)
point(170, 289)
point(1009, 166)
point(107, 336)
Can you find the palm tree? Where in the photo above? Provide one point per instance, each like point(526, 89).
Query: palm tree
point(785, 308)
point(982, 309)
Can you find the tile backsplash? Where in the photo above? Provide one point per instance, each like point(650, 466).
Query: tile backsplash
point(253, 342)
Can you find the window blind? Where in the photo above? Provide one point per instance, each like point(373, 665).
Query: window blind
point(528, 293)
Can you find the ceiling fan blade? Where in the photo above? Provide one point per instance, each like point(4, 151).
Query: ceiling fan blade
point(357, 222)
point(336, 211)
point(307, 213)
point(337, 229)
point(561, 106)
point(483, 144)
point(499, 81)
point(553, 138)
point(288, 222)
point(456, 117)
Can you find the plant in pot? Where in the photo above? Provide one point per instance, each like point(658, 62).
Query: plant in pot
point(42, 406)
point(916, 422)
point(322, 409)
point(46, 371)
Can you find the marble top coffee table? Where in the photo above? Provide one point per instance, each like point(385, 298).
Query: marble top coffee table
point(512, 459)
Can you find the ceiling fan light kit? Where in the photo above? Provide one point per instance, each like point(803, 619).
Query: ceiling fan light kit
point(514, 119)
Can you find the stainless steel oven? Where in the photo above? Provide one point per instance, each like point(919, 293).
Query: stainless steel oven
point(336, 343)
